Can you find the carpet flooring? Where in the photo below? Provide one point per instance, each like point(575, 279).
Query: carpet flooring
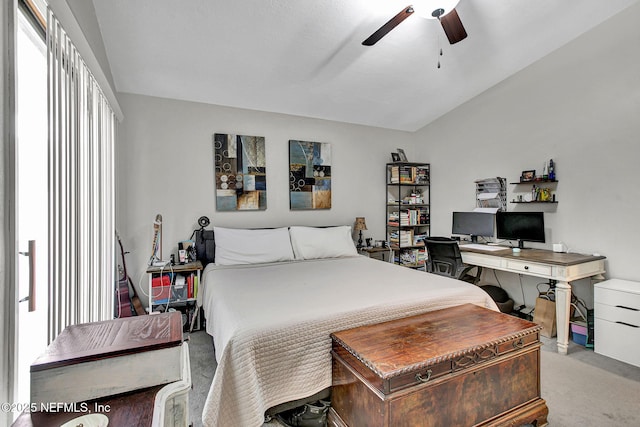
point(581, 389)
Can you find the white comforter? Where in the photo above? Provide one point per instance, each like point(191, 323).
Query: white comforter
point(271, 323)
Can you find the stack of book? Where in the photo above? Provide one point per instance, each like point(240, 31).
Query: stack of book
point(418, 239)
point(394, 219)
point(404, 174)
point(409, 217)
point(421, 175)
point(401, 237)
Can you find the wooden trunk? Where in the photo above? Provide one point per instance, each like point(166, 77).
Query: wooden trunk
point(461, 366)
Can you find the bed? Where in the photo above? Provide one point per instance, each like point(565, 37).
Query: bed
point(270, 320)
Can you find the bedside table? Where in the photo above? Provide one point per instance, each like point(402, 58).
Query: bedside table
point(383, 254)
point(166, 291)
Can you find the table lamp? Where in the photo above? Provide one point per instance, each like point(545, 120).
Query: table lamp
point(360, 225)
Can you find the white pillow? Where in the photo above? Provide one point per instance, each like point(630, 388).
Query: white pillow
point(243, 246)
point(330, 242)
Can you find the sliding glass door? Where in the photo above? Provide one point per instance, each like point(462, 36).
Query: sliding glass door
point(31, 196)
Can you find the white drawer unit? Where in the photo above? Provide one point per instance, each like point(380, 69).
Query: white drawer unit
point(617, 320)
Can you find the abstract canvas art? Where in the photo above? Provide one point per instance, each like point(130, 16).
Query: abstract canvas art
point(309, 175)
point(240, 172)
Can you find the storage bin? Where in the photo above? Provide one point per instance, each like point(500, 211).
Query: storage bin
point(161, 289)
point(579, 333)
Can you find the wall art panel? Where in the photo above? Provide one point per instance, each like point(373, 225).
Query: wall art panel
point(309, 175)
point(240, 172)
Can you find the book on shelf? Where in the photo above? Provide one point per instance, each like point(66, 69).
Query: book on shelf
point(93, 360)
point(412, 256)
point(401, 237)
point(406, 174)
point(422, 175)
point(418, 239)
point(409, 217)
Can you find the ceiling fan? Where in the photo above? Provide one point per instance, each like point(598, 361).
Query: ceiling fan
point(442, 10)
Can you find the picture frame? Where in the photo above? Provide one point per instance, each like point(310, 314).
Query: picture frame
point(528, 176)
point(309, 175)
point(403, 156)
point(240, 172)
point(395, 157)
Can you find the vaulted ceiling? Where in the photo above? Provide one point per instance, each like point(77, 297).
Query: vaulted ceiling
point(305, 57)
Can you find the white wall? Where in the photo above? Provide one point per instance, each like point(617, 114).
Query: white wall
point(165, 165)
point(580, 106)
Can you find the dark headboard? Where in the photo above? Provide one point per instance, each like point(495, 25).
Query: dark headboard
point(205, 246)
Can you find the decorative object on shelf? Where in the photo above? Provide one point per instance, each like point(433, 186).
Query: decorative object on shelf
point(309, 175)
point(380, 244)
point(537, 194)
point(240, 172)
point(528, 176)
point(552, 170)
point(359, 226)
point(544, 194)
point(395, 157)
point(189, 248)
point(402, 155)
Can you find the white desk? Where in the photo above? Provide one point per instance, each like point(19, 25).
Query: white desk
point(561, 267)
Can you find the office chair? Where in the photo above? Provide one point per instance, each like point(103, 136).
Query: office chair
point(444, 259)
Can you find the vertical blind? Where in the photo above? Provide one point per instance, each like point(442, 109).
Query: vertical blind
point(82, 129)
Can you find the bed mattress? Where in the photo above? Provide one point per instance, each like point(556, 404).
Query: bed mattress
point(271, 324)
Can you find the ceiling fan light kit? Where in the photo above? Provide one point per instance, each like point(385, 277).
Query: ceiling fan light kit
point(442, 10)
point(428, 8)
point(437, 13)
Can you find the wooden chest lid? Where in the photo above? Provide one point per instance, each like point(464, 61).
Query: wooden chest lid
point(403, 345)
point(111, 338)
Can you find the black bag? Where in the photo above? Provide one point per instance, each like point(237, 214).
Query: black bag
point(308, 415)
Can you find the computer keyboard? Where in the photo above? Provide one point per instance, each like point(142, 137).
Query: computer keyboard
point(482, 247)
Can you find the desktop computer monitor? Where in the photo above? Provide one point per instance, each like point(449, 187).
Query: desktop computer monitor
point(473, 224)
point(520, 226)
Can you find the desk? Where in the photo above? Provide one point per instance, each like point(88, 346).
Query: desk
point(564, 268)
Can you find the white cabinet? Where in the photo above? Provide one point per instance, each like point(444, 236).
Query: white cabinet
point(171, 406)
point(617, 320)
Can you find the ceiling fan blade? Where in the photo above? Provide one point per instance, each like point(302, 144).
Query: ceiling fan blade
point(453, 27)
point(393, 22)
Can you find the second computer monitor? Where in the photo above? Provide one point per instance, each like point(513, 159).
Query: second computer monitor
point(473, 224)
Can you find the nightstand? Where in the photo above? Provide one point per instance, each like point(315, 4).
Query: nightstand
point(383, 254)
point(176, 286)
